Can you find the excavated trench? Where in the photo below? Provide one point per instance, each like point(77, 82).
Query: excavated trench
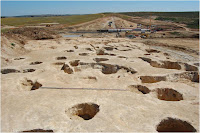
point(175, 125)
point(84, 110)
point(168, 94)
point(162, 64)
point(108, 68)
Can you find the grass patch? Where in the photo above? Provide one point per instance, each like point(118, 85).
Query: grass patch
point(69, 20)
point(194, 24)
point(175, 33)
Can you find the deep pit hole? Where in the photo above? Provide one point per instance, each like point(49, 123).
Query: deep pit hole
point(38, 130)
point(152, 51)
point(84, 110)
point(6, 71)
point(74, 62)
point(67, 69)
point(100, 59)
point(83, 54)
point(28, 70)
point(141, 88)
point(174, 125)
point(61, 58)
point(168, 94)
point(152, 79)
point(35, 63)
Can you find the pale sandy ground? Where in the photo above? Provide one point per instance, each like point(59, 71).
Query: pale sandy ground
point(123, 111)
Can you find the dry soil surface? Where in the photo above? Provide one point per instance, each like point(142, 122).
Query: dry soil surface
point(98, 85)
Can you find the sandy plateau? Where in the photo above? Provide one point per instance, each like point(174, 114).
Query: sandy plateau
point(97, 85)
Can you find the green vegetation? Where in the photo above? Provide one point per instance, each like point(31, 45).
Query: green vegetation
point(163, 14)
point(194, 24)
point(175, 33)
point(69, 20)
point(165, 19)
point(191, 19)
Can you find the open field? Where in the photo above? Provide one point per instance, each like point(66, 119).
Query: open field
point(98, 82)
point(68, 20)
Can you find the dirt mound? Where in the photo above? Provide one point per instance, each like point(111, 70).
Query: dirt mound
point(32, 33)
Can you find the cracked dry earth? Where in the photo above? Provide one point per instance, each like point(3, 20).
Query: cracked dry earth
point(129, 87)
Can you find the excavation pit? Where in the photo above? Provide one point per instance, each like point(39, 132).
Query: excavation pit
point(100, 59)
point(19, 58)
point(74, 62)
point(36, 86)
point(35, 63)
point(142, 89)
point(6, 71)
point(168, 94)
point(61, 58)
point(67, 69)
point(83, 54)
point(174, 125)
point(38, 130)
point(28, 70)
point(152, 51)
point(59, 63)
point(85, 111)
point(162, 64)
point(152, 79)
point(69, 50)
